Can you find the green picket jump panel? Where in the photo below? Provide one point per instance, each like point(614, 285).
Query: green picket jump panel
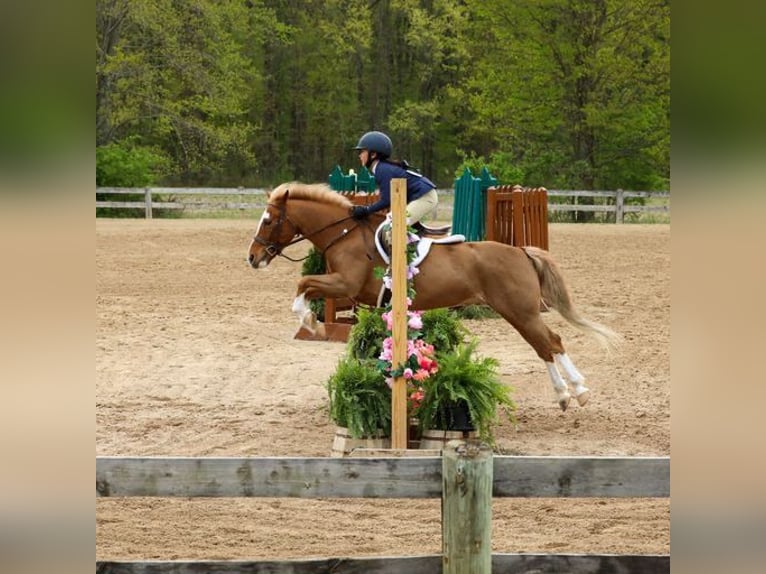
point(470, 209)
point(350, 183)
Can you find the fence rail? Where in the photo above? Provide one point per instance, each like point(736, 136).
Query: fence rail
point(387, 477)
point(430, 564)
point(255, 198)
point(392, 477)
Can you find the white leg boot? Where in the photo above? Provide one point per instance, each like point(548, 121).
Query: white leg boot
point(581, 392)
point(562, 392)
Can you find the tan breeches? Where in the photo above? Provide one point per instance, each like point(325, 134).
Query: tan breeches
point(420, 207)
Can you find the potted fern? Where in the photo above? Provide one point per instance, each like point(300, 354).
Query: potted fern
point(360, 406)
point(465, 382)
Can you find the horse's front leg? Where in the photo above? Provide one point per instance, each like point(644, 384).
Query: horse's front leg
point(313, 287)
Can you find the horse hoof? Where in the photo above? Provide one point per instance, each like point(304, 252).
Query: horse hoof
point(309, 322)
point(583, 397)
point(564, 402)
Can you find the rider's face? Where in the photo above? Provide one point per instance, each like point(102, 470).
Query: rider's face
point(363, 156)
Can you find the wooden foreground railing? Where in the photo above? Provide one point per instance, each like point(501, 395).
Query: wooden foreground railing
point(466, 477)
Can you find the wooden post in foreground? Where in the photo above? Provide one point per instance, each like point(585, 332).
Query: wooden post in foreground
point(399, 309)
point(466, 508)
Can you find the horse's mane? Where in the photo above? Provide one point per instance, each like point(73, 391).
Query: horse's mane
point(319, 192)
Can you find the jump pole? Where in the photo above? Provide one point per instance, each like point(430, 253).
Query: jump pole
point(399, 309)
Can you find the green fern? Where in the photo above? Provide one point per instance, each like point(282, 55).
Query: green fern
point(366, 338)
point(360, 400)
point(442, 329)
point(461, 377)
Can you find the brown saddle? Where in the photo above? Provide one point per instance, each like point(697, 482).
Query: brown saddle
point(426, 230)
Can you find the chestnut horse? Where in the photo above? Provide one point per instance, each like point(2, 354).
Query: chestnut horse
point(511, 280)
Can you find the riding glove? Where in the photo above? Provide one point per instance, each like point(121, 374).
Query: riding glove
point(360, 212)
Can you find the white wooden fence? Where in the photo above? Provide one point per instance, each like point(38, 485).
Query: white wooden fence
point(390, 477)
point(240, 198)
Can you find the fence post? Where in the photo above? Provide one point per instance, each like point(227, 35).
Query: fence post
point(489, 227)
point(619, 203)
point(148, 202)
point(466, 508)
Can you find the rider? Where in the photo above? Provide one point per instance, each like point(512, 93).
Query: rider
point(374, 152)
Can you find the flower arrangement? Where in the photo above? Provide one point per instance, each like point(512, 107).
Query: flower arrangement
point(359, 398)
point(421, 362)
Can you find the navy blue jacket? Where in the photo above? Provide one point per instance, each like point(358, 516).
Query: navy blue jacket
point(417, 185)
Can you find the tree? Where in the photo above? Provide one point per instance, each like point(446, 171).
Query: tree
point(173, 73)
point(577, 90)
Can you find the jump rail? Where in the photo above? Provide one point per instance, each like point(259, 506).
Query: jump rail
point(387, 477)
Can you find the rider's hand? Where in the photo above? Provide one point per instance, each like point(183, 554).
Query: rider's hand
point(359, 212)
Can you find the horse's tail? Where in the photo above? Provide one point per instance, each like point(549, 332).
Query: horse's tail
point(555, 294)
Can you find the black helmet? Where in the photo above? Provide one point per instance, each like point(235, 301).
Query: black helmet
point(377, 142)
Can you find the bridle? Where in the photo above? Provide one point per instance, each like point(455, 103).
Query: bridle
point(273, 248)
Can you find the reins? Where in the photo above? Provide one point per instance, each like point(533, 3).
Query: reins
point(274, 249)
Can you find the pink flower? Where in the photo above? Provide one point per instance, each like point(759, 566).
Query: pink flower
point(415, 321)
point(416, 398)
point(407, 373)
point(421, 375)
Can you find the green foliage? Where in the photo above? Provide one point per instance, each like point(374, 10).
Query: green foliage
point(566, 94)
point(366, 338)
point(360, 400)
point(124, 164)
point(460, 375)
point(463, 377)
point(314, 264)
point(500, 164)
point(442, 329)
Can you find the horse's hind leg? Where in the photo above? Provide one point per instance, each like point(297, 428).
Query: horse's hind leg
point(581, 392)
point(547, 345)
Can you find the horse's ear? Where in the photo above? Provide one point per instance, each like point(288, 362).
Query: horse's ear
point(287, 192)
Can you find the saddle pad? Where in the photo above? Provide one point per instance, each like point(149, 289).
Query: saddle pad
point(423, 246)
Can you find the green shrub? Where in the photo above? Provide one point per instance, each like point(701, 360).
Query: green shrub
point(360, 399)
point(314, 265)
point(442, 329)
point(125, 164)
point(366, 338)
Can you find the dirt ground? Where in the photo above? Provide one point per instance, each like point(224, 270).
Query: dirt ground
point(195, 356)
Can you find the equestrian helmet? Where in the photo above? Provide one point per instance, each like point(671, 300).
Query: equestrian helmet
point(376, 141)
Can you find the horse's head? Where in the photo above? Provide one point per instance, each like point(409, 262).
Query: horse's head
point(275, 231)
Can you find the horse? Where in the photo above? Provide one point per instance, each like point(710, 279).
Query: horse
point(511, 280)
